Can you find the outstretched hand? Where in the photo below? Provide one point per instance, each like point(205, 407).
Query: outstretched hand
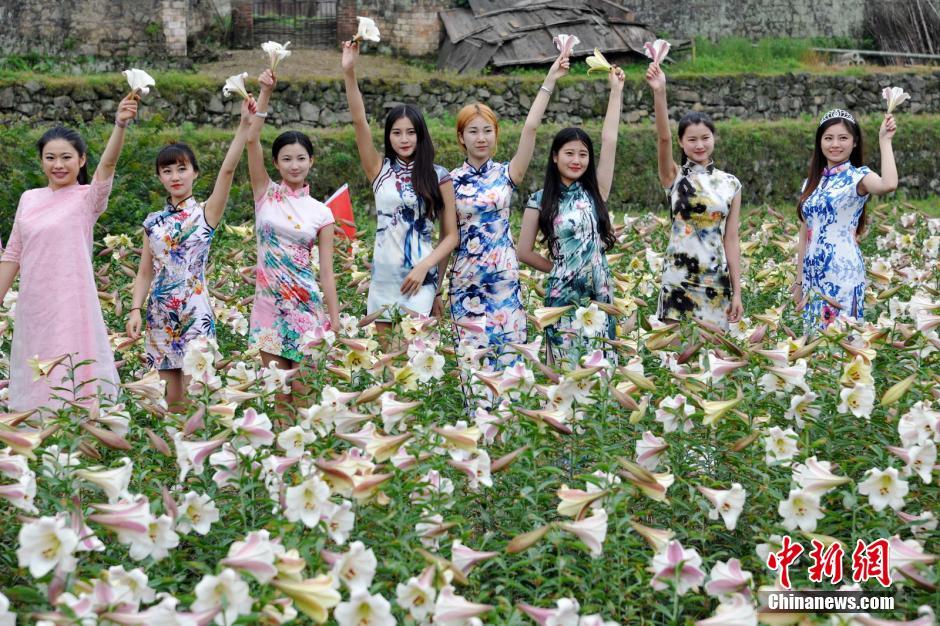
point(655, 77)
point(268, 80)
point(560, 67)
point(249, 107)
point(350, 55)
point(127, 109)
point(616, 78)
point(889, 126)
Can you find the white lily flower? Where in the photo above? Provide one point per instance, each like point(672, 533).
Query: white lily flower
point(276, 53)
point(236, 84)
point(894, 96)
point(884, 488)
point(368, 31)
point(139, 80)
point(657, 50)
point(565, 43)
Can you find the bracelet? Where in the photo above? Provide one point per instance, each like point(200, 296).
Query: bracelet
point(120, 123)
point(260, 114)
point(545, 89)
point(136, 308)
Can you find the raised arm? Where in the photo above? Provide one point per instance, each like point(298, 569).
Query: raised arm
point(369, 157)
point(888, 181)
point(605, 164)
point(215, 205)
point(667, 165)
point(526, 247)
point(441, 252)
point(520, 161)
point(142, 282)
point(127, 110)
point(256, 170)
point(732, 245)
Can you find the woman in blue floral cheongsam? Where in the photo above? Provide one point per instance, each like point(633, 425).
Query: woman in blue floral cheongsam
point(830, 269)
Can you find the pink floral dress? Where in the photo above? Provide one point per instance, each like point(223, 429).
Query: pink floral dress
point(57, 309)
point(288, 301)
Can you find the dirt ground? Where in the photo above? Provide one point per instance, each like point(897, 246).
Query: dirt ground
point(309, 63)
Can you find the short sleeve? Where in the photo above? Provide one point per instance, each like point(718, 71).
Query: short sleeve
point(735, 184)
point(535, 201)
point(260, 197)
point(324, 216)
point(97, 195)
point(860, 173)
point(15, 244)
point(505, 166)
point(443, 176)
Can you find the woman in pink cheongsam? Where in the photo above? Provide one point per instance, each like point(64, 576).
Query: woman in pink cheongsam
point(291, 309)
point(50, 246)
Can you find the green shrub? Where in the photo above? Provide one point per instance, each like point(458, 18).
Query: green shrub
point(769, 158)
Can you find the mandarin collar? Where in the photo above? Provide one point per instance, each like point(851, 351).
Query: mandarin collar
point(836, 169)
point(299, 193)
point(573, 188)
point(483, 169)
point(691, 167)
point(183, 204)
point(402, 166)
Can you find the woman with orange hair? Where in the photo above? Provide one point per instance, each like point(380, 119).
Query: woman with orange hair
point(484, 291)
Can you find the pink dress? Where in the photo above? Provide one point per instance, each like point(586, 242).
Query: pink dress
point(57, 309)
point(288, 302)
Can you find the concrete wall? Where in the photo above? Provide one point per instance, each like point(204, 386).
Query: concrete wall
point(752, 18)
point(108, 28)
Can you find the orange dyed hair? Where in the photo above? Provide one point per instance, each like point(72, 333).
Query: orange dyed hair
point(471, 111)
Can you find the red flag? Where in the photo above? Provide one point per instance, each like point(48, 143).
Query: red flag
point(340, 204)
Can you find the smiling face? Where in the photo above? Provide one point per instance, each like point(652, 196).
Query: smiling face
point(572, 159)
point(293, 163)
point(698, 143)
point(837, 143)
point(404, 138)
point(178, 178)
point(61, 163)
point(479, 138)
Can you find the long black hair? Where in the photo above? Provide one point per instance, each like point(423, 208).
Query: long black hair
point(423, 177)
point(818, 163)
point(71, 136)
point(551, 190)
point(691, 119)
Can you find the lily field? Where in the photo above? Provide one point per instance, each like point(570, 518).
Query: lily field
point(413, 486)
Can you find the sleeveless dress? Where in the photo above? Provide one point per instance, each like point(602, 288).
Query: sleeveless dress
point(579, 274)
point(288, 301)
point(178, 310)
point(833, 265)
point(403, 237)
point(695, 279)
point(484, 280)
point(57, 308)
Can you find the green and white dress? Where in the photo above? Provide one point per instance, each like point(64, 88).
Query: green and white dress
point(580, 272)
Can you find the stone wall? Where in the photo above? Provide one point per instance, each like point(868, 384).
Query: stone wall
point(323, 103)
point(409, 27)
point(752, 18)
point(107, 28)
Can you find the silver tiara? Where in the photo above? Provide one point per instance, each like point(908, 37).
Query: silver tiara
point(837, 113)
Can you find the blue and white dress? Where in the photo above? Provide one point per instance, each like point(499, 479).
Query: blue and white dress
point(484, 281)
point(833, 267)
point(403, 236)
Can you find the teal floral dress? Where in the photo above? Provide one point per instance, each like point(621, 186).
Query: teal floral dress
point(580, 272)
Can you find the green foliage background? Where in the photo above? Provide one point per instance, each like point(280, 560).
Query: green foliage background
point(770, 159)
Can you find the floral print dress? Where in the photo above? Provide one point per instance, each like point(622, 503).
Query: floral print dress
point(579, 273)
point(695, 279)
point(484, 280)
point(288, 301)
point(178, 310)
point(833, 267)
point(403, 237)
